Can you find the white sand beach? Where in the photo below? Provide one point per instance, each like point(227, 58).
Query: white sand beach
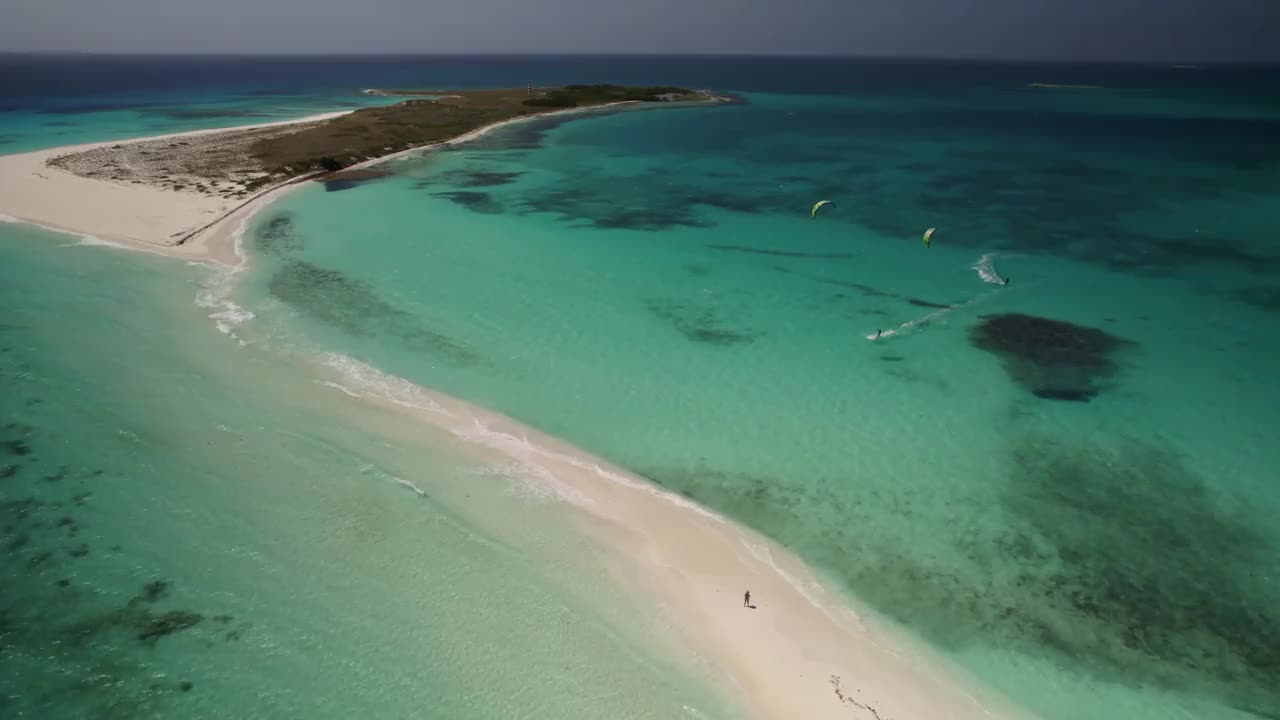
point(183, 223)
point(134, 215)
point(801, 652)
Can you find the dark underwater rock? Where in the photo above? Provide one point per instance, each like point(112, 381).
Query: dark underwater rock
point(480, 178)
point(701, 324)
point(1052, 359)
point(277, 235)
point(167, 623)
point(154, 590)
point(481, 202)
point(1263, 297)
point(347, 179)
point(1068, 394)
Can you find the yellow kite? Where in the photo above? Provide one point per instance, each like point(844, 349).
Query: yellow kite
point(928, 236)
point(814, 213)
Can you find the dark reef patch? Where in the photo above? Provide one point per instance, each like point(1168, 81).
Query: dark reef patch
point(479, 178)
point(925, 303)
point(474, 200)
point(526, 135)
point(781, 253)
point(331, 297)
point(153, 591)
point(1052, 359)
point(701, 324)
point(1115, 562)
point(348, 179)
point(761, 500)
point(277, 235)
point(1068, 394)
point(1130, 542)
point(1263, 297)
point(602, 205)
point(158, 626)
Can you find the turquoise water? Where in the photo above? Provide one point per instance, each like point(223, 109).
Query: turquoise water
point(1081, 514)
point(192, 529)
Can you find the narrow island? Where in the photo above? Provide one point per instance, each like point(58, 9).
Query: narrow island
point(1064, 86)
point(163, 192)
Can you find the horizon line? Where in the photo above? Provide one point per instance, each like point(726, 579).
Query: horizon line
point(694, 54)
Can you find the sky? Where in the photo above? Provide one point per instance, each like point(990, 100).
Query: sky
point(1125, 30)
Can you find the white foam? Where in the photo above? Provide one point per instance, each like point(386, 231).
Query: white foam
point(986, 270)
point(340, 388)
point(8, 219)
point(405, 483)
point(807, 590)
point(215, 295)
point(95, 241)
point(531, 481)
point(360, 378)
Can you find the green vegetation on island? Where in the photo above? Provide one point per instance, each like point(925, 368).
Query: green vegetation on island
point(585, 95)
point(442, 115)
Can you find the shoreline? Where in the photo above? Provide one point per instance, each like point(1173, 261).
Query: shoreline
point(190, 225)
point(804, 651)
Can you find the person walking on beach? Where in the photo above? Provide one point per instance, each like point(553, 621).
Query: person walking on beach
point(746, 599)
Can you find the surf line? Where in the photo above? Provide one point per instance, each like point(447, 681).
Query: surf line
point(926, 319)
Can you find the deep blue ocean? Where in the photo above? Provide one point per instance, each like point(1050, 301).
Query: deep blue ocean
point(1067, 484)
